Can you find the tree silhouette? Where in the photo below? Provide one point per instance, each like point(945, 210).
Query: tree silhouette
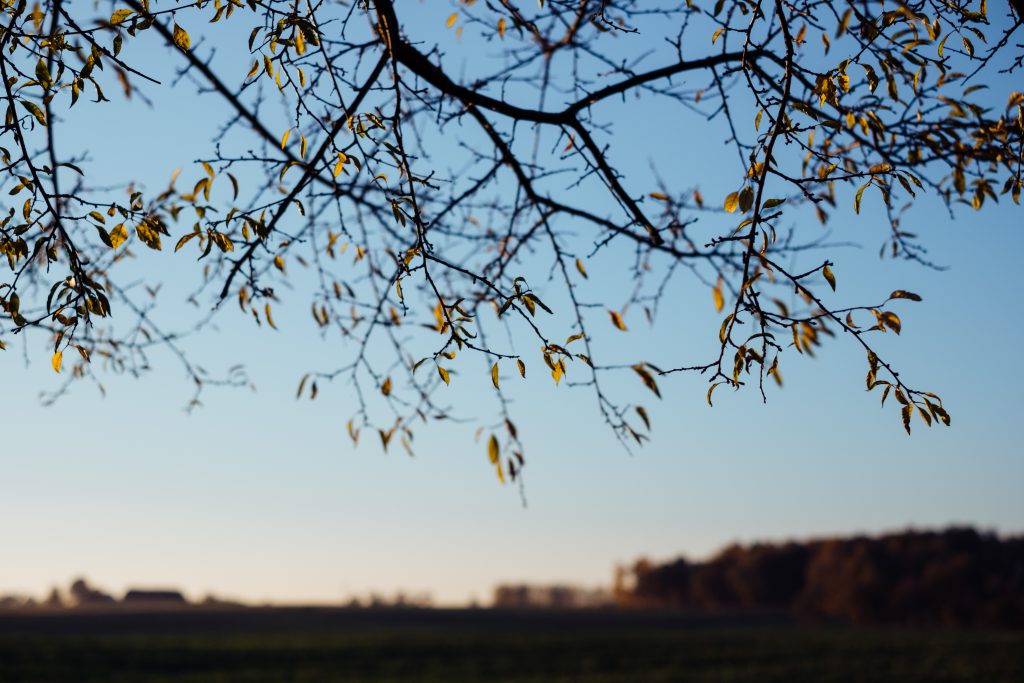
point(422, 209)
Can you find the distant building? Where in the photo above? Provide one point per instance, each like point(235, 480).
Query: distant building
point(84, 595)
point(148, 598)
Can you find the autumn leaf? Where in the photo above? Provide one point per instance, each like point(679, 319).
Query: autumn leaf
point(119, 16)
point(642, 412)
point(181, 38)
point(35, 111)
point(829, 277)
point(56, 361)
point(617, 320)
point(647, 378)
point(118, 235)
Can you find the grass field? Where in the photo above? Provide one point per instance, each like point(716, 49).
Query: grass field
point(454, 646)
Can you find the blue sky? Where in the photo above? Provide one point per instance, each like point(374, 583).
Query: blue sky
point(262, 497)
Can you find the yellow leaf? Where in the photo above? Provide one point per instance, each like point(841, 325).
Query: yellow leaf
point(493, 450)
point(829, 277)
point(711, 390)
point(35, 111)
point(501, 27)
point(284, 138)
point(522, 368)
point(557, 371)
point(119, 16)
point(279, 263)
point(56, 361)
point(642, 412)
point(43, 74)
point(494, 376)
point(118, 235)
point(969, 46)
point(719, 299)
point(617, 320)
point(891, 320)
point(659, 195)
point(732, 202)
point(452, 19)
point(647, 378)
point(579, 267)
point(444, 375)
point(181, 38)
point(270, 318)
point(385, 388)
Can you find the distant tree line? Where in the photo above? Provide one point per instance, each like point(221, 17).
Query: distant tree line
point(559, 596)
point(954, 577)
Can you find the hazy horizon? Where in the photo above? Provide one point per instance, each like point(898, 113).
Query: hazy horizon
point(260, 497)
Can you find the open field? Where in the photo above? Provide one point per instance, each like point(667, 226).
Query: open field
point(328, 645)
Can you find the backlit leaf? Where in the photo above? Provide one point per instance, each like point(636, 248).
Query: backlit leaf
point(617, 320)
point(118, 235)
point(647, 378)
point(181, 38)
point(829, 277)
point(119, 16)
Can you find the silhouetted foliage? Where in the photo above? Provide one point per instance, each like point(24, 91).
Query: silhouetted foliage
point(956, 577)
point(448, 197)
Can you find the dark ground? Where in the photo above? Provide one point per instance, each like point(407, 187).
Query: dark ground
point(454, 646)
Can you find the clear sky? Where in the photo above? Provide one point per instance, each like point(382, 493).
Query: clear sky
point(261, 497)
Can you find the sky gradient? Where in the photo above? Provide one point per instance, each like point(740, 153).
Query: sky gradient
point(261, 497)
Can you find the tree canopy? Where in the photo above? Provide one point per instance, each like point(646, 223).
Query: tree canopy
point(449, 200)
